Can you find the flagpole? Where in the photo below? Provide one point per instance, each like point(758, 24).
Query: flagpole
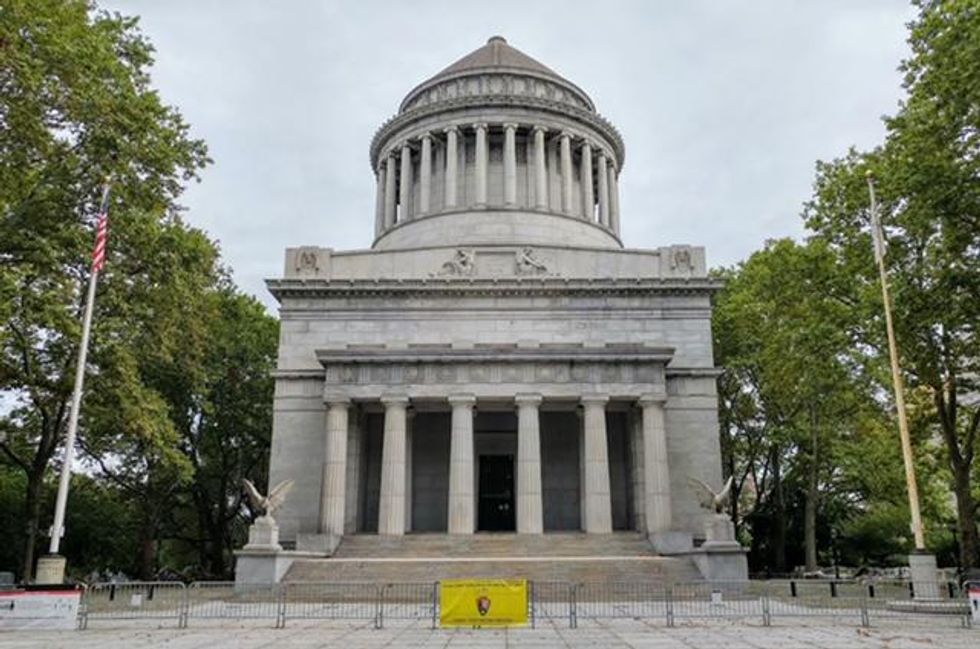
point(52, 568)
point(903, 427)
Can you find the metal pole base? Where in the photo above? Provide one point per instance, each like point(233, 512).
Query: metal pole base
point(50, 570)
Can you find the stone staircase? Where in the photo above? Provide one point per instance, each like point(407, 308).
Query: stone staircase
point(574, 557)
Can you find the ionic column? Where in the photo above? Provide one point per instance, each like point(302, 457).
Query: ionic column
point(334, 483)
point(390, 198)
point(598, 498)
point(405, 187)
point(603, 189)
point(540, 175)
point(530, 511)
point(613, 199)
point(656, 477)
point(462, 515)
point(481, 164)
point(510, 164)
point(565, 149)
point(379, 204)
point(452, 160)
point(425, 174)
point(588, 199)
point(391, 505)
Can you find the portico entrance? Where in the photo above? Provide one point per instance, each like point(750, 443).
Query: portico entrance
point(496, 494)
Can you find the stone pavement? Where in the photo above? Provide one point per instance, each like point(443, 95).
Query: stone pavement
point(624, 633)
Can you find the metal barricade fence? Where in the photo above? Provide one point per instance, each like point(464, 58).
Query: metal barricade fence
point(227, 600)
point(935, 603)
point(157, 600)
point(837, 599)
point(741, 600)
point(641, 600)
point(409, 601)
point(551, 600)
point(332, 601)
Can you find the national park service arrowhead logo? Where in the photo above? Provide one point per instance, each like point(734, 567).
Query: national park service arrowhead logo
point(483, 605)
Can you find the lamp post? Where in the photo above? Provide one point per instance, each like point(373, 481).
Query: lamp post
point(922, 564)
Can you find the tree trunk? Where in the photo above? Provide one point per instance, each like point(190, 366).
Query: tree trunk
point(810, 507)
point(779, 517)
point(32, 518)
point(966, 517)
point(147, 549)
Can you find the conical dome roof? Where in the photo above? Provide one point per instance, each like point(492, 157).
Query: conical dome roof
point(497, 57)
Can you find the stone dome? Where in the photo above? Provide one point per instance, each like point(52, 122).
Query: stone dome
point(497, 149)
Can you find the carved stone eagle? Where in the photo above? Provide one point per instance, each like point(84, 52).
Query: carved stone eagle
point(708, 498)
point(268, 504)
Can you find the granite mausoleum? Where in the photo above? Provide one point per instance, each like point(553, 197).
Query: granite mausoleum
point(497, 361)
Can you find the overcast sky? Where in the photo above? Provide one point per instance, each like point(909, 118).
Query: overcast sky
point(724, 105)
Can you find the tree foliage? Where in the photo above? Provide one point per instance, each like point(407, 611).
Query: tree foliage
point(76, 105)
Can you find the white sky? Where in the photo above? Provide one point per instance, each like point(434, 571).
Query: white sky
point(724, 105)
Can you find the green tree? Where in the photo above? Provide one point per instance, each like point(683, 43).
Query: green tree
point(928, 176)
point(75, 105)
point(790, 394)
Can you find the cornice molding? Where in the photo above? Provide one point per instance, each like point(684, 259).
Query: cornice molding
point(457, 286)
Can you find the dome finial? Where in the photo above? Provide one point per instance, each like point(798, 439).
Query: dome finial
point(496, 39)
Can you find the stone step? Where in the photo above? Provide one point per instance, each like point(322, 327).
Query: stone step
point(565, 544)
point(572, 557)
point(566, 569)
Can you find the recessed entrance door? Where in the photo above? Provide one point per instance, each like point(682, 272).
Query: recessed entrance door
point(496, 493)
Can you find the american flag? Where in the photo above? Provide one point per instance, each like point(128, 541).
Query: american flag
point(102, 232)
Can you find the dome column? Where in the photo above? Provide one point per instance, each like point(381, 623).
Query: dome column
point(510, 164)
point(390, 198)
point(540, 175)
point(588, 198)
point(603, 189)
point(405, 187)
point(613, 199)
point(565, 148)
point(379, 204)
point(481, 164)
point(452, 160)
point(425, 174)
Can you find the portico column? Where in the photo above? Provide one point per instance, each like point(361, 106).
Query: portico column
point(334, 483)
point(481, 164)
point(613, 199)
point(452, 159)
point(603, 189)
point(656, 478)
point(588, 198)
point(391, 505)
point(530, 511)
point(462, 517)
point(510, 164)
point(565, 148)
point(540, 176)
point(405, 186)
point(390, 198)
point(379, 203)
point(425, 174)
point(598, 498)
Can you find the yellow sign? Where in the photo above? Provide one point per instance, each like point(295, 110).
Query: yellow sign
point(483, 602)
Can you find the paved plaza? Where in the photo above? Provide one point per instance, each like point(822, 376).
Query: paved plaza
point(605, 633)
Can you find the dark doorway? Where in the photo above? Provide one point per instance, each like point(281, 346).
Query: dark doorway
point(496, 493)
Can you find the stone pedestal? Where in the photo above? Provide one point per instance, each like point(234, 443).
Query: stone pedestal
point(263, 535)
point(720, 558)
point(50, 569)
point(924, 575)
